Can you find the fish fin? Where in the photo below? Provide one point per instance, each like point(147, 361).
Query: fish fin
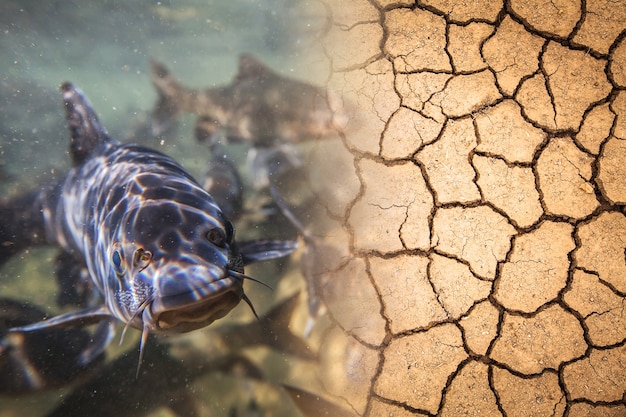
point(275, 330)
point(86, 131)
point(73, 277)
point(22, 223)
point(83, 317)
point(224, 183)
point(164, 116)
point(264, 249)
point(101, 338)
point(166, 111)
point(311, 404)
point(250, 68)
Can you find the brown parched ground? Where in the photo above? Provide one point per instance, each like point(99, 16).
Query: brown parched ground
point(480, 186)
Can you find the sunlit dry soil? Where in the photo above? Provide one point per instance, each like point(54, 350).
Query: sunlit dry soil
point(484, 208)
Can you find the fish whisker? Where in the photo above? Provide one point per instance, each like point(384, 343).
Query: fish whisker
point(242, 276)
point(139, 310)
point(245, 298)
point(142, 345)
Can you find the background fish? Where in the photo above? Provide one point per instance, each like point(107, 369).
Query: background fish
point(41, 360)
point(259, 106)
point(167, 377)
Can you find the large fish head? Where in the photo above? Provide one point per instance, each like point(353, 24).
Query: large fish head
point(174, 262)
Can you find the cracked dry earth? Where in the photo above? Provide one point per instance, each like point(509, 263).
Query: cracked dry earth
point(478, 203)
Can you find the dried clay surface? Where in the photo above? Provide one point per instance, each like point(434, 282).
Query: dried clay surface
point(485, 270)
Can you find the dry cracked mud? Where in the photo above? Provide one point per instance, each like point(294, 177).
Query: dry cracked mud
point(479, 208)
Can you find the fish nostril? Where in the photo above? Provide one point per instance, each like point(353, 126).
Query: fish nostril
point(141, 259)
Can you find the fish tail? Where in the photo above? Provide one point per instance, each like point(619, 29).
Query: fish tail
point(21, 224)
point(275, 331)
point(167, 108)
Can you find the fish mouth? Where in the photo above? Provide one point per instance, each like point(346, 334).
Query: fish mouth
point(198, 314)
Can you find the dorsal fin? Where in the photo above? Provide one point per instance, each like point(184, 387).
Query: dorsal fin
point(86, 132)
point(250, 67)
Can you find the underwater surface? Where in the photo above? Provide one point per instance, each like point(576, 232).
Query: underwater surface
point(104, 48)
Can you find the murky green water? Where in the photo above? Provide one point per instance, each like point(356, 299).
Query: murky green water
point(104, 47)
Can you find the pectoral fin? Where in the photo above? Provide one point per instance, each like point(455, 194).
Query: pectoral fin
point(263, 250)
point(78, 318)
point(100, 338)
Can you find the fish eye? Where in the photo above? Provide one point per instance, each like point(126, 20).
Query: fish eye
point(216, 237)
point(118, 260)
point(141, 259)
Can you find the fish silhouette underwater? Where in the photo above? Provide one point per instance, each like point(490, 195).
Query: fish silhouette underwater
point(155, 247)
point(259, 106)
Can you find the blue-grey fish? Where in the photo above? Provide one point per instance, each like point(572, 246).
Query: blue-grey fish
point(156, 246)
point(259, 106)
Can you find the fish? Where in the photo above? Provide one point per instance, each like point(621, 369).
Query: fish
point(32, 362)
point(259, 106)
point(168, 377)
point(157, 248)
point(312, 405)
point(314, 249)
point(223, 182)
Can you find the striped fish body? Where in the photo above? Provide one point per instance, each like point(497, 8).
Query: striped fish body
point(149, 236)
point(156, 246)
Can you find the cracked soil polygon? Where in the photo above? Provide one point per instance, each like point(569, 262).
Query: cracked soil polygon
point(612, 171)
point(469, 393)
point(406, 275)
point(464, 45)
point(564, 174)
point(407, 131)
point(417, 366)
point(488, 226)
point(509, 188)
point(351, 312)
point(543, 341)
point(416, 89)
point(480, 327)
point(601, 248)
point(512, 53)
point(604, 20)
point(465, 94)
point(553, 17)
point(536, 396)
point(387, 202)
point(599, 377)
point(536, 103)
point(478, 235)
point(617, 66)
point(576, 80)
point(601, 308)
point(596, 128)
point(456, 287)
point(416, 40)
point(503, 132)
point(446, 161)
point(537, 269)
